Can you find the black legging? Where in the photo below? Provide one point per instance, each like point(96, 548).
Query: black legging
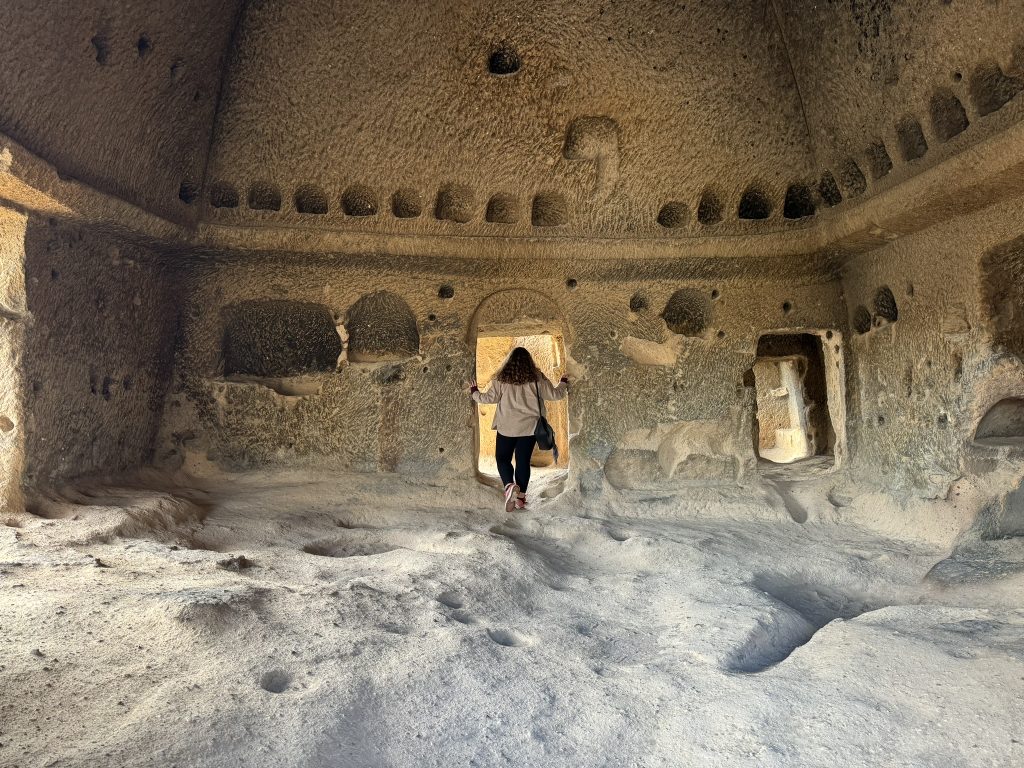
point(522, 449)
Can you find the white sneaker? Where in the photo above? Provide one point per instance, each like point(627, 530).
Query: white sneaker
point(511, 491)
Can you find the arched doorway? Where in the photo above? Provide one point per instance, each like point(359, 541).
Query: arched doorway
point(505, 320)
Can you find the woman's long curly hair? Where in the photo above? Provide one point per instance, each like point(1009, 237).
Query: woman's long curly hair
point(519, 368)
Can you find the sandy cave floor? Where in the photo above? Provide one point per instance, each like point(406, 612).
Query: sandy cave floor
point(382, 622)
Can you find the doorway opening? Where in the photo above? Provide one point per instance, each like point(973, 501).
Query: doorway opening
point(548, 352)
point(1002, 424)
point(797, 380)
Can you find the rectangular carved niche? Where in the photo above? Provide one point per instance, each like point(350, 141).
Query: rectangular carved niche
point(800, 408)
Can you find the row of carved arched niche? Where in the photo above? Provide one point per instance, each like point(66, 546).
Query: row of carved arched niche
point(270, 338)
point(454, 202)
point(989, 87)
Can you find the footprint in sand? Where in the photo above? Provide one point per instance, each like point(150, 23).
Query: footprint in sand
point(454, 601)
point(275, 681)
point(450, 600)
point(344, 548)
point(507, 638)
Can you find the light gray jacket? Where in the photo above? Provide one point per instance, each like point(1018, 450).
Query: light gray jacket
point(518, 409)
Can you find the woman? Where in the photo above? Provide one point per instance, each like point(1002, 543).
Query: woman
point(516, 389)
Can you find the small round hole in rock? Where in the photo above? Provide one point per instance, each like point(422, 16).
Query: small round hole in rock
point(144, 46)
point(754, 204)
point(571, 284)
point(101, 46)
point(188, 192)
point(359, 200)
point(502, 209)
point(504, 60)
point(432, 317)
point(406, 204)
point(264, 196)
point(686, 312)
point(223, 195)
point(310, 199)
point(787, 307)
point(446, 291)
point(673, 215)
point(885, 305)
point(638, 302)
point(275, 681)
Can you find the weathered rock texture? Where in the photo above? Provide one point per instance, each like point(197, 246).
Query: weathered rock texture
point(120, 96)
point(613, 110)
point(12, 333)
point(97, 352)
point(412, 413)
point(881, 79)
point(340, 199)
point(922, 381)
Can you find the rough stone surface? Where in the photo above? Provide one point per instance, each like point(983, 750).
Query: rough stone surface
point(414, 406)
point(97, 354)
point(618, 108)
point(120, 96)
point(862, 66)
point(279, 338)
point(919, 383)
point(777, 246)
point(12, 334)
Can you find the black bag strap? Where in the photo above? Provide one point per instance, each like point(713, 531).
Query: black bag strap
point(540, 400)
